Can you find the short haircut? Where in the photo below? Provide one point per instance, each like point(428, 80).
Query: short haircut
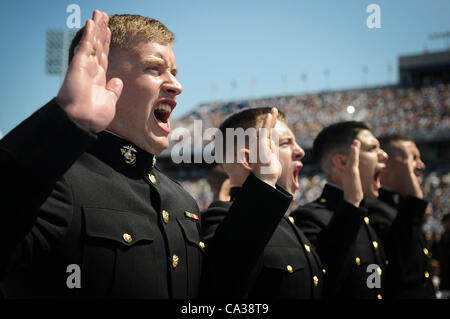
point(244, 119)
point(128, 27)
point(336, 139)
point(387, 142)
point(250, 117)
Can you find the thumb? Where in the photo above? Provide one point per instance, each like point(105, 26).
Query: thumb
point(115, 86)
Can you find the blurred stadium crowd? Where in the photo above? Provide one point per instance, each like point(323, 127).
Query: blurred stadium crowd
point(392, 109)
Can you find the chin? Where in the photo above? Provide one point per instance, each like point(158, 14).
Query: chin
point(160, 148)
point(157, 145)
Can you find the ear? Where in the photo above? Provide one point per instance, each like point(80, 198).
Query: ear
point(243, 158)
point(339, 161)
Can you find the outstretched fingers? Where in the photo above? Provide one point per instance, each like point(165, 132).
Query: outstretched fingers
point(102, 37)
point(353, 158)
point(268, 124)
point(86, 44)
point(106, 45)
point(96, 39)
point(352, 186)
point(270, 120)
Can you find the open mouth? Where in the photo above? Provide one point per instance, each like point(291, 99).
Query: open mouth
point(162, 114)
point(295, 176)
point(377, 181)
point(419, 175)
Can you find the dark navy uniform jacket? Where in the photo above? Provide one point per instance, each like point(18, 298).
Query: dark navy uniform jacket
point(75, 198)
point(287, 267)
point(398, 221)
point(71, 198)
point(346, 243)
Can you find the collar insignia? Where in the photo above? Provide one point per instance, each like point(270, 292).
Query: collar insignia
point(128, 153)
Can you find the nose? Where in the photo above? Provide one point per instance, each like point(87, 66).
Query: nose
point(298, 152)
point(172, 86)
point(420, 164)
point(382, 156)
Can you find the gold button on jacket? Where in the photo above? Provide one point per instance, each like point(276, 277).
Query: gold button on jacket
point(316, 281)
point(165, 216)
point(175, 261)
point(290, 269)
point(127, 237)
point(152, 178)
point(307, 248)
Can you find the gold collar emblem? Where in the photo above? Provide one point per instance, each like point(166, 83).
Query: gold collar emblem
point(128, 153)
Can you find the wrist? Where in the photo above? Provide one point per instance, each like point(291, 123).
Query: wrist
point(354, 201)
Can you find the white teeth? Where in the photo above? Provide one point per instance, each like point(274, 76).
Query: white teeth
point(164, 107)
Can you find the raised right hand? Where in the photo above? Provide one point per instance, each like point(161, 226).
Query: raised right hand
point(351, 180)
point(407, 183)
point(268, 168)
point(85, 94)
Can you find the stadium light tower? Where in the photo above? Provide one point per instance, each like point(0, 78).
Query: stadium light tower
point(57, 51)
point(441, 35)
point(304, 77)
point(365, 71)
point(326, 73)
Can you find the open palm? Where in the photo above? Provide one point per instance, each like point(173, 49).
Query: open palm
point(85, 94)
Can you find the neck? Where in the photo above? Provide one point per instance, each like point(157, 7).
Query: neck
point(335, 181)
point(237, 180)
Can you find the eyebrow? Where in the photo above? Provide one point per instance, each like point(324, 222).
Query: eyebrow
point(160, 62)
point(368, 146)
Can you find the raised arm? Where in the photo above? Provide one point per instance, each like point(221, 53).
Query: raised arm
point(86, 95)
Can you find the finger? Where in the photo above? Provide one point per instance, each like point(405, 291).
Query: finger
point(115, 86)
point(98, 18)
point(353, 158)
point(105, 50)
point(106, 40)
point(86, 43)
point(263, 132)
point(103, 25)
point(274, 113)
point(272, 121)
point(102, 33)
point(267, 120)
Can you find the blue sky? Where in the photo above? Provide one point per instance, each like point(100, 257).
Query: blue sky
point(262, 46)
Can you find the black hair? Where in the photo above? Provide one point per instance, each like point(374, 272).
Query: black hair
point(336, 138)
